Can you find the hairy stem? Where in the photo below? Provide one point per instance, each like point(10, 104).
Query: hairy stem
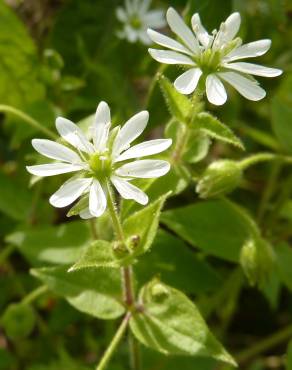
point(28, 119)
point(266, 344)
point(264, 157)
point(126, 272)
point(114, 343)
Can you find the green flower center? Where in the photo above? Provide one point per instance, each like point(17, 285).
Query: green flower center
point(209, 61)
point(100, 165)
point(135, 22)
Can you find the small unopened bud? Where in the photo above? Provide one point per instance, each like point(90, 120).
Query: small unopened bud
point(257, 259)
point(119, 248)
point(134, 241)
point(221, 177)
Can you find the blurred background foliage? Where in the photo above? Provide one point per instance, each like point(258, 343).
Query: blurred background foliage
point(61, 57)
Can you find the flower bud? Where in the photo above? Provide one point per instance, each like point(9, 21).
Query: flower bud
point(219, 178)
point(257, 259)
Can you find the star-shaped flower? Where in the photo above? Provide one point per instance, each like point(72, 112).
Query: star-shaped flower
point(106, 158)
point(211, 59)
point(136, 18)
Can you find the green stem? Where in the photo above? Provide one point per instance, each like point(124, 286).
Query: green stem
point(265, 344)
point(180, 144)
point(92, 224)
point(5, 253)
point(126, 272)
point(114, 343)
point(28, 119)
point(263, 157)
point(34, 294)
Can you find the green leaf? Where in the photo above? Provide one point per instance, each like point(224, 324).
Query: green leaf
point(177, 265)
point(170, 323)
point(179, 105)
point(284, 260)
point(62, 244)
point(281, 122)
point(140, 230)
point(18, 320)
point(212, 127)
point(96, 292)
point(207, 225)
point(16, 207)
point(18, 62)
point(143, 224)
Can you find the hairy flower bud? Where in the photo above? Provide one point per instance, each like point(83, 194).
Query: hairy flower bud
point(256, 259)
point(219, 178)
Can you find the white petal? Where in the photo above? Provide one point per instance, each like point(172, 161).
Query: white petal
point(130, 131)
point(250, 50)
point(170, 57)
point(245, 86)
point(128, 190)
point(130, 33)
point(179, 27)
point(54, 150)
point(85, 214)
point(215, 90)
point(97, 199)
point(143, 37)
point(188, 81)
point(121, 14)
point(144, 6)
point(228, 30)
point(155, 19)
point(167, 42)
point(146, 148)
point(145, 169)
point(69, 192)
point(101, 126)
point(231, 26)
point(73, 135)
point(254, 69)
point(52, 169)
point(200, 31)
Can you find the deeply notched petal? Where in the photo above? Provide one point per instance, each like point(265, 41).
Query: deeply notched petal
point(144, 149)
point(178, 26)
point(144, 169)
point(128, 190)
point(170, 57)
point(254, 69)
point(215, 90)
point(250, 50)
point(52, 169)
point(73, 135)
point(69, 192)
point(130, 131)
point(101, 125)
point(54, 150)
point(97, 199)
point(187, 82)
point(248, 88)
point(167, 42)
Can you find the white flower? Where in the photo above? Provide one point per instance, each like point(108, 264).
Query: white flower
point(100, 160)
point(136, 18)
point(212, 58)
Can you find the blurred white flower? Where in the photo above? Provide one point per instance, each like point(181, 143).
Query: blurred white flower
point(100, 160)
point(212, 59)
point(137, 18)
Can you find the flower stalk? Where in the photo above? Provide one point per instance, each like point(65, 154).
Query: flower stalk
point(114, 343)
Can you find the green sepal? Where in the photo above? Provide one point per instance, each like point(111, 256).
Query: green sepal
point(96, 292)
point(179, 105)
point(168, 322)
point(214, 128)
